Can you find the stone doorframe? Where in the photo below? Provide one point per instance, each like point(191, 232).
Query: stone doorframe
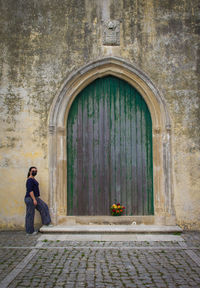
point(161, 130)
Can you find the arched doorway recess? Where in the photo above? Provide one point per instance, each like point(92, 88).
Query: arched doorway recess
point(161, 135)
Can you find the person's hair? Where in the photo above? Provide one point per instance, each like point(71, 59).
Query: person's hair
point(29, 171)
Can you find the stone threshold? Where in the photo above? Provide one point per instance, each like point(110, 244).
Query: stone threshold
point(111, 229)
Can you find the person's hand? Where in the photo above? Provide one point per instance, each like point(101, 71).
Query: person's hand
point(34, 202)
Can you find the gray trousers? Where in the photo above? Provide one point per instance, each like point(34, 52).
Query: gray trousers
point(30, 213)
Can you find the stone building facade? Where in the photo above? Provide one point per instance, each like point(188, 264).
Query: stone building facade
point(51, 50)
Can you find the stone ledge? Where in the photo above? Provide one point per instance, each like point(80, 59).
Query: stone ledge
point(110, 229)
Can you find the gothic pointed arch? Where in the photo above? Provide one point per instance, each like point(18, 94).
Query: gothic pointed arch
point(161, 134)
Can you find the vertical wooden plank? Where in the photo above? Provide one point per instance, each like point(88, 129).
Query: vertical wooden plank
point(96, 147)
point(90, 116)
point(112, 144)
point(150, 166)
point(72, 157)
point(69, 167)
point(128, 150)
point(134, 153)
point(101, 159)
point(117, 106)
point(139, 158)
point(69, 176)
point(79, 155)
point(74, 149)
point(122, 142)
point(106, 93)
point(144, 160)
point(101, 150)
point(83, 204)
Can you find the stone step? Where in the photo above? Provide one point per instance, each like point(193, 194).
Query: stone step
point(110, 229)
point(120, 220)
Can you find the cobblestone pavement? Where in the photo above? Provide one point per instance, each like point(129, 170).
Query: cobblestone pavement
point(27, 262)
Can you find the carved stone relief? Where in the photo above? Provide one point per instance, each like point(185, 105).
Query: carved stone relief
point(111, 33)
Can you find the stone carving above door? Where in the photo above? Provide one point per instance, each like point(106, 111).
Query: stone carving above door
point(111, 33)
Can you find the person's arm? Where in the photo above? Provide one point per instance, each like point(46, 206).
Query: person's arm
point(33, 197)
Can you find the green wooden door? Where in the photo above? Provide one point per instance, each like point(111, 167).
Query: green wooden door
point(109, 150)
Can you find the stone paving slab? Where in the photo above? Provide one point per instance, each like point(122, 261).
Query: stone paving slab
point(36, 262)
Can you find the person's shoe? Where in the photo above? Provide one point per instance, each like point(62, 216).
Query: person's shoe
point(32, 234)
point(49, 225)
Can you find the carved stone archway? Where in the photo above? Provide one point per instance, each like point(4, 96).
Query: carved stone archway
point(162, 165)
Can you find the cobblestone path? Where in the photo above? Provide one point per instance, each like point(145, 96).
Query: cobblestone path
point(27, 262)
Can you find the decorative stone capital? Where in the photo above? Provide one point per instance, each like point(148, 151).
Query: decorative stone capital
point(60, 130)
point(168, 128)
point(52, 129)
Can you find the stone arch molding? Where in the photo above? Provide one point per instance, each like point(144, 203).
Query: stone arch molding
point(162, 166)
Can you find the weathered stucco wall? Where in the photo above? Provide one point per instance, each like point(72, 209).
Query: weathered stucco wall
point(42, 42)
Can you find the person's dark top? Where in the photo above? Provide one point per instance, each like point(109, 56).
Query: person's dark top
point(32, 185)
